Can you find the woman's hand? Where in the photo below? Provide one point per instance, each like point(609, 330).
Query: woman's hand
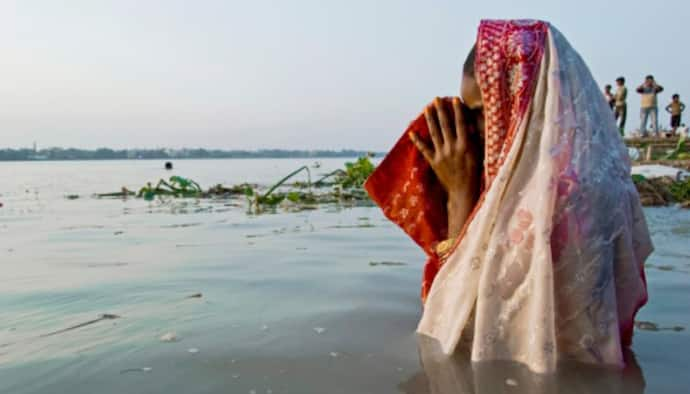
point(454, 157)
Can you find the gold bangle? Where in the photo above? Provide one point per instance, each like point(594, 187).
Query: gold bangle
point(443, 247)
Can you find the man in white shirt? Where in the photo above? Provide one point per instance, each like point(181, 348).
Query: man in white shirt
point(649, 107)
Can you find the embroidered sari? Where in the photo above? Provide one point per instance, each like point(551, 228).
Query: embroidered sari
point(550, 264)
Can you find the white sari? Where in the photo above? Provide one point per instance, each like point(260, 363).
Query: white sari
point(551, 263)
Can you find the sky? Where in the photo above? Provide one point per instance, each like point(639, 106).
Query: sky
point(293, 74)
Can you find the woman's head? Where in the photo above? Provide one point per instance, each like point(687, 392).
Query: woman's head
point(470, 93)
point(469, 89)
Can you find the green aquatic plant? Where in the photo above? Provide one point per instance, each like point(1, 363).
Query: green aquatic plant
point(345, 187)
point(353, 176)
point(356, 173)
point(338, 174)
point(637, 178)
point(272, 197)
point(278, 184)
point(176, 186)
point(678, 151)
point(680, 190)
point(180, 183)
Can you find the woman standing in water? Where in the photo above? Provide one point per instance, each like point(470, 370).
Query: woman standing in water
point(520, 193)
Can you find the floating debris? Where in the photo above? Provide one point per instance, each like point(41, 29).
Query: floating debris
point(386, 263)
point(195, 295)
point(123, 193)
point(193, 350)
point(264, 328)
point(72, 196)
point(511, 382)
point(105, 316)
point(118, 232)
point(143, 369)
point(646, 326)
point(346, 188)
point(235, 376)
point(181, 225)
point(334, 354)
point(169, 337)
point(344, 226)
point(651, 326)
point(100, 265)
point(319, 330)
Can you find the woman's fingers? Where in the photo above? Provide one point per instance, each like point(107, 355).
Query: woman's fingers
point(427, 152)
point(432, 124)
point(446, 126)
point(460, 130)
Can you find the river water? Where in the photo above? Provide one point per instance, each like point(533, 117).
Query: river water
point(200, 296)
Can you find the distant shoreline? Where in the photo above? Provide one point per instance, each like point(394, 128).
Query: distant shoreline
point(71, 154)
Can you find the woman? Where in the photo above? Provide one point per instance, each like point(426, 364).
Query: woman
point(521, 196)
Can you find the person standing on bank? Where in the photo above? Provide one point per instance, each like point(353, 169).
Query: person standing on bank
point(649, 106)
point(609, 96)
point(621, 108)
point(675, 108)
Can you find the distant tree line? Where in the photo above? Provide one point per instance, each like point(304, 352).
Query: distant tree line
point(143, 154)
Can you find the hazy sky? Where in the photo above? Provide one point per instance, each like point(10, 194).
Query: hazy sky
point(287, 74)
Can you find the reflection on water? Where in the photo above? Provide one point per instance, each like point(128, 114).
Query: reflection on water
point(458, 375)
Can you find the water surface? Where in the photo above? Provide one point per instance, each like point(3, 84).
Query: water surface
point(322, 301)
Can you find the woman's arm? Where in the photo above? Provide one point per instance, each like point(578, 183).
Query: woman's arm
point(460, 205)
point(454, 157)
